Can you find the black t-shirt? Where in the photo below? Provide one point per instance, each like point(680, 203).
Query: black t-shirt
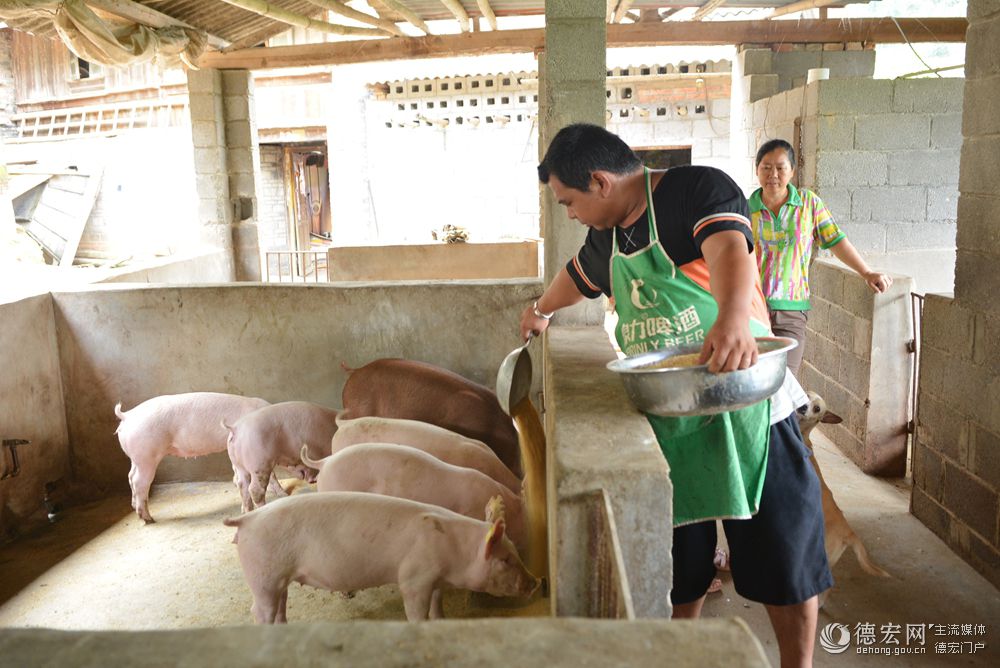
point(691, 204)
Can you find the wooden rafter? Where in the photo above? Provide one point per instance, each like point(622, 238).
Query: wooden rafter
point(801, 6)
point(706, 9)
point(351, 13)
point(620, 11)
point(812, 31)
point(462, 16)
point(407, 14)
point(133, 11)
point(291, 18)
point(487, 12)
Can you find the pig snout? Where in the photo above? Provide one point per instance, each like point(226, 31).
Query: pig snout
point(509, 577)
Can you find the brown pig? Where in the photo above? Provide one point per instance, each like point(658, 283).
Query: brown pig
point(183, 425)
point(398, 388)
point(273, 436)
point(408, 473)
point(446, 445)
point(349, 541)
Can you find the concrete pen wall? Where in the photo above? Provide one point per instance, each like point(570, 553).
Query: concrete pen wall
point(70, 356)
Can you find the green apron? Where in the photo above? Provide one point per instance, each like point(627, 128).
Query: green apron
point(717, 462)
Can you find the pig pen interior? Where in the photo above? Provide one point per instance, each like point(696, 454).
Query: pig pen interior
point(72, 355)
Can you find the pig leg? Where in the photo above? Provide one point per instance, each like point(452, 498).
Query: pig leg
point(437, 612)
point(281, 617)
point(276, 487)
point(243, 482)
point(131, 482)
point(258, 486)
point(268, 603)
point(140, 479)
point(416, 600)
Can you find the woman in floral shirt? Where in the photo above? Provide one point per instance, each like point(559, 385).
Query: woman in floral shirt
point(786, 223)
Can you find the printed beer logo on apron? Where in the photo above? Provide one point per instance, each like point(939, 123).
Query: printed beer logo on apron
point(717, 462)
point(649, 333)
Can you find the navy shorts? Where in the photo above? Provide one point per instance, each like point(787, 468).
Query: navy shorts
point(777, 557)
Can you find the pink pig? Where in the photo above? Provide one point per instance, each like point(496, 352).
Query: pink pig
point(350, 541)
point(448, 446)
point(183, 425)
point(408, 473)
point(273, 436)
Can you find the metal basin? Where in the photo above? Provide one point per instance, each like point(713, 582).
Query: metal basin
point(693, 390)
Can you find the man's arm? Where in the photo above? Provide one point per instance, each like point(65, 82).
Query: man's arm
point(562, 292)
point(729, 344)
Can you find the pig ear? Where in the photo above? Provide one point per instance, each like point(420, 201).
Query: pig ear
point(495, 509)
point(495, 537)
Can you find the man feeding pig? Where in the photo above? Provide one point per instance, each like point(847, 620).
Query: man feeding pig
point(676, 246)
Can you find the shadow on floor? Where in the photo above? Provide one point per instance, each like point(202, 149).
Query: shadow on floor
point(32, 554)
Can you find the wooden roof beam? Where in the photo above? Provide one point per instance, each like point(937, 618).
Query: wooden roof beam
point(801, 6)
point(814, 31)
point(351, 13)
point(621, 10)
point(133, 11)
point(462, 16)
point(407, 14)
point(291, 18)
point(706, 9)
point(487, 12)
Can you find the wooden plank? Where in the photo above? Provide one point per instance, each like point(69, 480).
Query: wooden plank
point(802, 6)
point(812, 31)
point(82, 215)
point(74, 183)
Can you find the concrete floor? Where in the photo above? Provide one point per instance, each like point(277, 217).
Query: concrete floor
point(931, 585)
point(100, 568)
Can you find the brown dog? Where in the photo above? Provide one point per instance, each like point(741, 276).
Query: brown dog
point(839, 534)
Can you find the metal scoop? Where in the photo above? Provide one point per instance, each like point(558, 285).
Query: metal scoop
point(514, 377)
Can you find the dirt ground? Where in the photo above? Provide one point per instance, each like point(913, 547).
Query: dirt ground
point(100, 567)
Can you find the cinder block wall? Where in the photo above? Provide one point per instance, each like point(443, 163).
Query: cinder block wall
point(763, 73)
point(956, 452)
point(883, 155)
point(857, 359)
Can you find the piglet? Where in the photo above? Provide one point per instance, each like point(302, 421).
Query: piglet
point(183, 425)
point(273, 436)
point(446, 445)
point(408, 473)
point(398, 388)
point(349, 541)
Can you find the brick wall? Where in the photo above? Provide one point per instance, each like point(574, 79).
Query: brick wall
point(272, 218)
point(956, 453)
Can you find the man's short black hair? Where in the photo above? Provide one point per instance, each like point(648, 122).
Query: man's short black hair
point(579, 150)
point(769, 146)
